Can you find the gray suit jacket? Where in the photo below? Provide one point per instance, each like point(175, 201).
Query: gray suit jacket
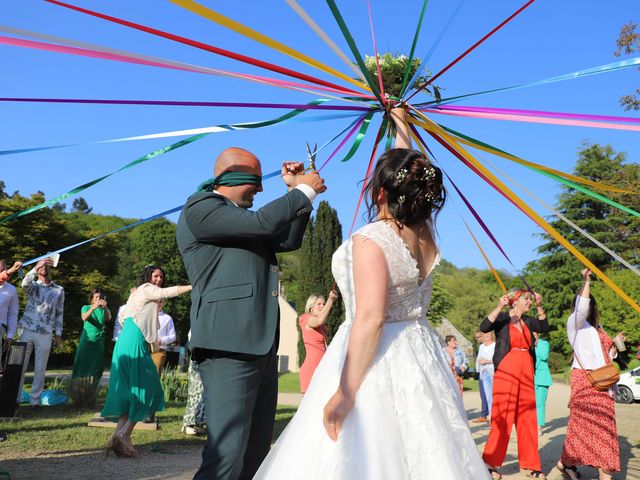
point(229, 255)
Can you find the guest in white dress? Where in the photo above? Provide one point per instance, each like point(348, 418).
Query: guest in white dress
point(383, 403)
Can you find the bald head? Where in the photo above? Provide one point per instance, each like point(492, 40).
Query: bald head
point(237, 160)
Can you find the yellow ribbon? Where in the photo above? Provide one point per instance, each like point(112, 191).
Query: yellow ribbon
point(484, 255)
point(431, 126)
point(513, 158)
point(259, 37)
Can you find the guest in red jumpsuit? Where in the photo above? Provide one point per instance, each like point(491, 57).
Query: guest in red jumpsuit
point(514, 399)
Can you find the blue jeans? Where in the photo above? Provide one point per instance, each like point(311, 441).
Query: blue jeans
point(487, 386)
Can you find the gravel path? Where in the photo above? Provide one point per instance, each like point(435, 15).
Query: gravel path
point(176, 462)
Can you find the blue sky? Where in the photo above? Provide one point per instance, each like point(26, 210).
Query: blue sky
point(547, 39)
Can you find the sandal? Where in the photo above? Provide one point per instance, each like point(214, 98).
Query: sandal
point(536, 474)
point(568, 471)
point(495, 474)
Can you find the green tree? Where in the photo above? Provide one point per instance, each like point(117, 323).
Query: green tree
point(79, 270)
point(441, 301)
point(81, 205)
point(629, 42)
point(322, 238)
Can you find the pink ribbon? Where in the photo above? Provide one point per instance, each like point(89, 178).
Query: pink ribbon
point(531, 118)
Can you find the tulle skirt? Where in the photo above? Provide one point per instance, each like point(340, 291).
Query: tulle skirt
point(408, 421)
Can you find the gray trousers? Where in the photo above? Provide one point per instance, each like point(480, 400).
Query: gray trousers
point(241, 392)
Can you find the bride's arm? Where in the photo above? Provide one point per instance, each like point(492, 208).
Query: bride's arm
point(370, 277)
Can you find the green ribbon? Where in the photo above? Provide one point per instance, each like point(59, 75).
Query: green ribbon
point(359, 137)
point(413, 48)
point(354, 49)
point(230, 179)
point(156, 153)
point(553, 176)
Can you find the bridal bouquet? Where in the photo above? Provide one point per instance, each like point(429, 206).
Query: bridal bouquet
point(393, 69)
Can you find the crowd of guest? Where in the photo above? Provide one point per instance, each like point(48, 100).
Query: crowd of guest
point(511, 364)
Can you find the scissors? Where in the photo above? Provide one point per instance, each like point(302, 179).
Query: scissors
point(311, 155)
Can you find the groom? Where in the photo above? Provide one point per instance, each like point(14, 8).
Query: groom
point(229, 254)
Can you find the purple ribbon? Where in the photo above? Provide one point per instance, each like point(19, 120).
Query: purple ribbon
point(289, 106)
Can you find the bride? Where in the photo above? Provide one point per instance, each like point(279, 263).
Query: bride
point(383, 403)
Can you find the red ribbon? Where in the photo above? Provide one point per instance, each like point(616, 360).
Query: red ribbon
point(209, 48)
point(470, 49)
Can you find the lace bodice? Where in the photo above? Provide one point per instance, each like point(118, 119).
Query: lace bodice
point(407, 297)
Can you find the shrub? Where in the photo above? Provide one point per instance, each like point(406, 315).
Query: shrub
point(175, 385)
point(83, 392)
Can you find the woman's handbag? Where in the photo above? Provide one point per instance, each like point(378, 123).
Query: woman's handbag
point(603, 378)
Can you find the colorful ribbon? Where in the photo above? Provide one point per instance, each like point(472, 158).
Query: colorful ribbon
point(353, 128)
point(359, 137)
point(381, 130)
point(117, 230)
point(473, 142)
point(532, 119)
point(609, 67)
point(74, 47)
point(325, 38)
point(375, 55)
point(473, 211)
point(149, 156)
point(427, 56)
point(207, 47)
point(541, 113)
point(471, 48)
point(450, 143)
point(555, 212)
point(352, 45)
point(263, 39)
point(413, 48)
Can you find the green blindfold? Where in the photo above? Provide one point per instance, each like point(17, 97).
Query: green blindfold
point(230, 179)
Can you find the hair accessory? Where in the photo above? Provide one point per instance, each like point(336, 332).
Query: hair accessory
point(401, 199)
point(402, 174)
point(428, 173)
point(430, 197)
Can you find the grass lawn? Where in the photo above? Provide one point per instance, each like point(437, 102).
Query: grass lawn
point(470, 384)
point(289, 383)
point(62, 428)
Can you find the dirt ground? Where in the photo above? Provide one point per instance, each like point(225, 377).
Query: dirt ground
point(176, 462)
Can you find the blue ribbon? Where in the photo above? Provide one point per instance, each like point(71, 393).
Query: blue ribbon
point(427, 57)
point(567, 76)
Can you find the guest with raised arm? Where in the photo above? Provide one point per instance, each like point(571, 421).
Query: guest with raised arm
point(135, 390)
point(8, 306)
point(514, 398)
point(592, 437)
point(89, 359)
point(314, 334)
point(41, 321)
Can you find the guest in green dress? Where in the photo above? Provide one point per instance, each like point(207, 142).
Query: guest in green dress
point(542, 378)
point(89, 361)
point(135, 390)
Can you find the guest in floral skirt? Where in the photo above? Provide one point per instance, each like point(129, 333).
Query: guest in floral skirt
point(591, 437)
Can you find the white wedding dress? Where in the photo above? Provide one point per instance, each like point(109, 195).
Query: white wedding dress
point(408, 421)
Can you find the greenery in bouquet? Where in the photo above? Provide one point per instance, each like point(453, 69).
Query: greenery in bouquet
point(393, 69)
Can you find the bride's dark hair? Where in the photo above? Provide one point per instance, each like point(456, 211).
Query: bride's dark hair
point(413, 185)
